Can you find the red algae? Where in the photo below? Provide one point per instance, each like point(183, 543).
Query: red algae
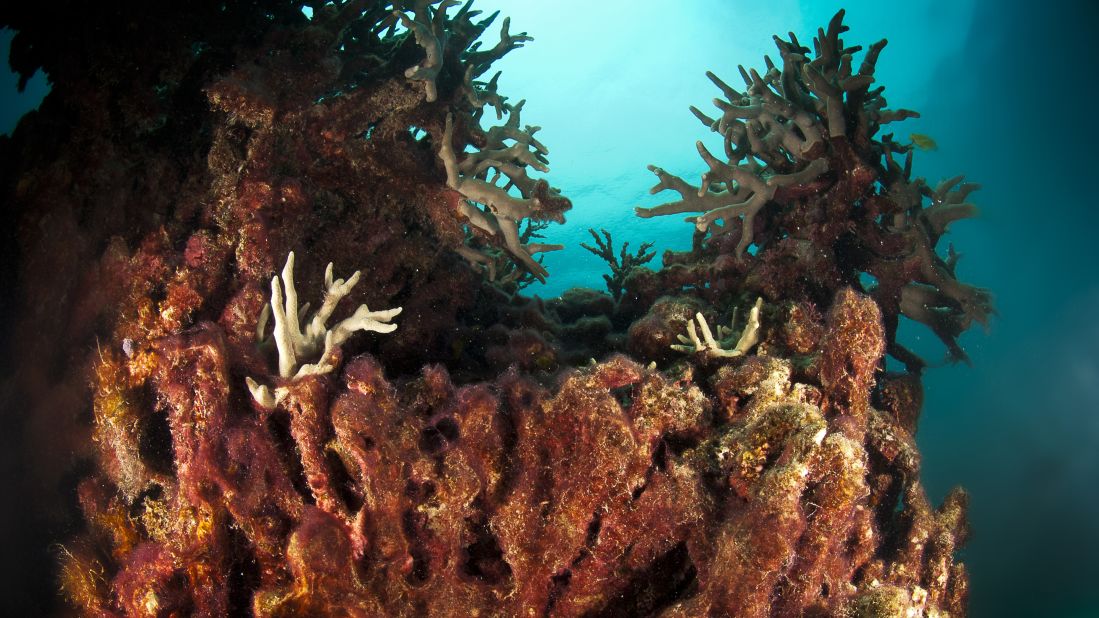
point(495, 455)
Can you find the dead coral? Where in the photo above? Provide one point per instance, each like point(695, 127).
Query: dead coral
point(182, 153)
point(378, 495)
point(712, 348)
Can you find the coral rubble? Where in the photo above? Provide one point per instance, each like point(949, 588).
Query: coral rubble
point(495, 455)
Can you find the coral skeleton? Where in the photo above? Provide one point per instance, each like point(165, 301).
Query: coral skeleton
point(295, 343)
point(713, 348)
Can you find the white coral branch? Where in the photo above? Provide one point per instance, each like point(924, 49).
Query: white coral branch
point(749, 337)
point(295, 344)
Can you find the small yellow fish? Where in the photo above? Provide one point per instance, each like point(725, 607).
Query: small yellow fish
point(923, 142)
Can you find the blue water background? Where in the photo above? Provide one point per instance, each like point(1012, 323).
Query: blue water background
point(1009, 93)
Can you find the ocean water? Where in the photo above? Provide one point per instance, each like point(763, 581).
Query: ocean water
point(1008, 92)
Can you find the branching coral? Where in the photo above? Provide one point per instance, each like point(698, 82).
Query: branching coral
point(295, 343)
point(503, 271)
point(935, 297)
point(727, 191)
point(622, 264)
point(181, 155)
point(496, 455)
point(430, 31)
point(804, 180)
point(708, 346)
point(503, 211)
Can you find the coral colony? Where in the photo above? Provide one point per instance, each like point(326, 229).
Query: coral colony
point(470, 451)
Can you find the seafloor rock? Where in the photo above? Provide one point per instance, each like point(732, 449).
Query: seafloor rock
point(612, 490)
point(494, 455)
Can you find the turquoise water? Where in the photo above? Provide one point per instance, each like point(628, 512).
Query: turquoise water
point(1008, 94)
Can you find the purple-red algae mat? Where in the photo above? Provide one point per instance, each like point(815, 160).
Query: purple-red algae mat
point(279, 268)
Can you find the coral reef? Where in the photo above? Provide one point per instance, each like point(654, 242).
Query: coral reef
point(495, 455)
point(806, 183)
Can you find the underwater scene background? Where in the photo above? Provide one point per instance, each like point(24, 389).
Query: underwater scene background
point(1005, 93)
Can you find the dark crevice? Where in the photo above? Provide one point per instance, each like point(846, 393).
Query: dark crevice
point(509, 440)
point(679, 444)
point(660, 456)
point(179, 606)
point(778, 591)
point(342, 482)
point(668, 579)
point(851, 543)
point(591, 536)
point(278, 425)
point(773, 456)
point(658, 462)
point(925, 564)
point(623, 395)
point(439, 436)
point(859, 575)
point(155, 440)
point(483, 559)
point(414, 525)
point(153, 492)
point(889, 508)
point(448, 428)
point(158, 293)
point(243, 575)
point(558, 584)
point(419, 492)
point(894, 535)
point(594, 526)
point(543, 487)
point(432, 441)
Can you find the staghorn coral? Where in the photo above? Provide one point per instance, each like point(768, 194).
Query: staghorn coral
point(503, 212)
point(710, 347)
point(823, 202)
point(621, 265)
point(496, 455)
point(179, 158)
point(293, 343)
